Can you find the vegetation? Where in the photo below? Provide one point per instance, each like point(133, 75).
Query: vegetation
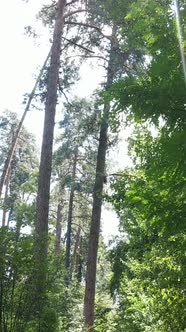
point(56, 272)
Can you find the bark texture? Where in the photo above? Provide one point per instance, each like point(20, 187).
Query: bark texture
point(70, 212)
point(42, 203)
point(7, 183)
point(97, 203)
point(57, 247)
point(75, 263)
point(95, 229)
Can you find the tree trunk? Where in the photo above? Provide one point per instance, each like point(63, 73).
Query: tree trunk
point(70, 212)
point(9, 216)
point(80, 261)
point(97, 203)
point(42, 203)
point(74, 266)
point(16, 136)
point(95, 229)
point(58, 231)
point(7, 182)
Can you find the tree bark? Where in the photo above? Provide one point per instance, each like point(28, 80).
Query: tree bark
point(80, 260)
point(42, 202)
point(74, 266)
point(70, 212)
point(97, 202)
point(7, 182)
point(57, 247)
point(17, 133)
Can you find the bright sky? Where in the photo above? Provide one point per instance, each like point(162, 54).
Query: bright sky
point(20, 57)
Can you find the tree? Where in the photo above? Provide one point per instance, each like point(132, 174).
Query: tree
point(74, 163)
point(58, 230)
point(16, 248)
point(46, 164)
point(148, 267)
point(117, 59)
point(70, 210)
point(15, 138)
point(163, 76)
point(42, 208)
point(96, 210)
point(148, 261)
point(147, 279)
point(19, 167)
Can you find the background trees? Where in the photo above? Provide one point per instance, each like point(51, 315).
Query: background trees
point(147, 270)
point(138, 283)
point(17, 220)
point(151, 264)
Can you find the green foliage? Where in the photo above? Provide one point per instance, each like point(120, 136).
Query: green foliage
point(16, 262)
point(68, 76)
point(149, 267)
point(159, 89)
point(78, 140)
point(105, 310)
point(22, 180)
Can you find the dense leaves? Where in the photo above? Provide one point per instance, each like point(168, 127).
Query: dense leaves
point(158, 89)
point(149, 267)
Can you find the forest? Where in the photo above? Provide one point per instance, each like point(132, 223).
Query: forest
point(57, 272)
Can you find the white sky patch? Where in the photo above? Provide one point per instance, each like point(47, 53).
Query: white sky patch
point(20, 57)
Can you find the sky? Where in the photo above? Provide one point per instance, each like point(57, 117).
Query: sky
point(20, 59)
point(20, 56)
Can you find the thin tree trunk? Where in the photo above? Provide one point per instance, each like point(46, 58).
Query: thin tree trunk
point(79, 261)
point(16, 136)
point(9, 216)
point(57, 247)
point(75, 255)
point(7, 182)
point(70, 212)
point(42, 203)
point(97, 203)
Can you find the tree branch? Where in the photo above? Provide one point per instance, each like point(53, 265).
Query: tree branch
point(88, 56)
point(95, 56)
point(115, 174)
point(17, 133)
point(89, 26)
point(75, 224)
point(82, 216)
point(71, 2)
point(74, 12)
point(53, 5)
point(83, 47)
point(64, 94)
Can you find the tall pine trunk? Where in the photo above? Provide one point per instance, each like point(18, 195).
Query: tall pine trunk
point(74, 266)
point(42, 203)
point(57, 246)
point(7, 183)
point(70, 212)
point(90, 286)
